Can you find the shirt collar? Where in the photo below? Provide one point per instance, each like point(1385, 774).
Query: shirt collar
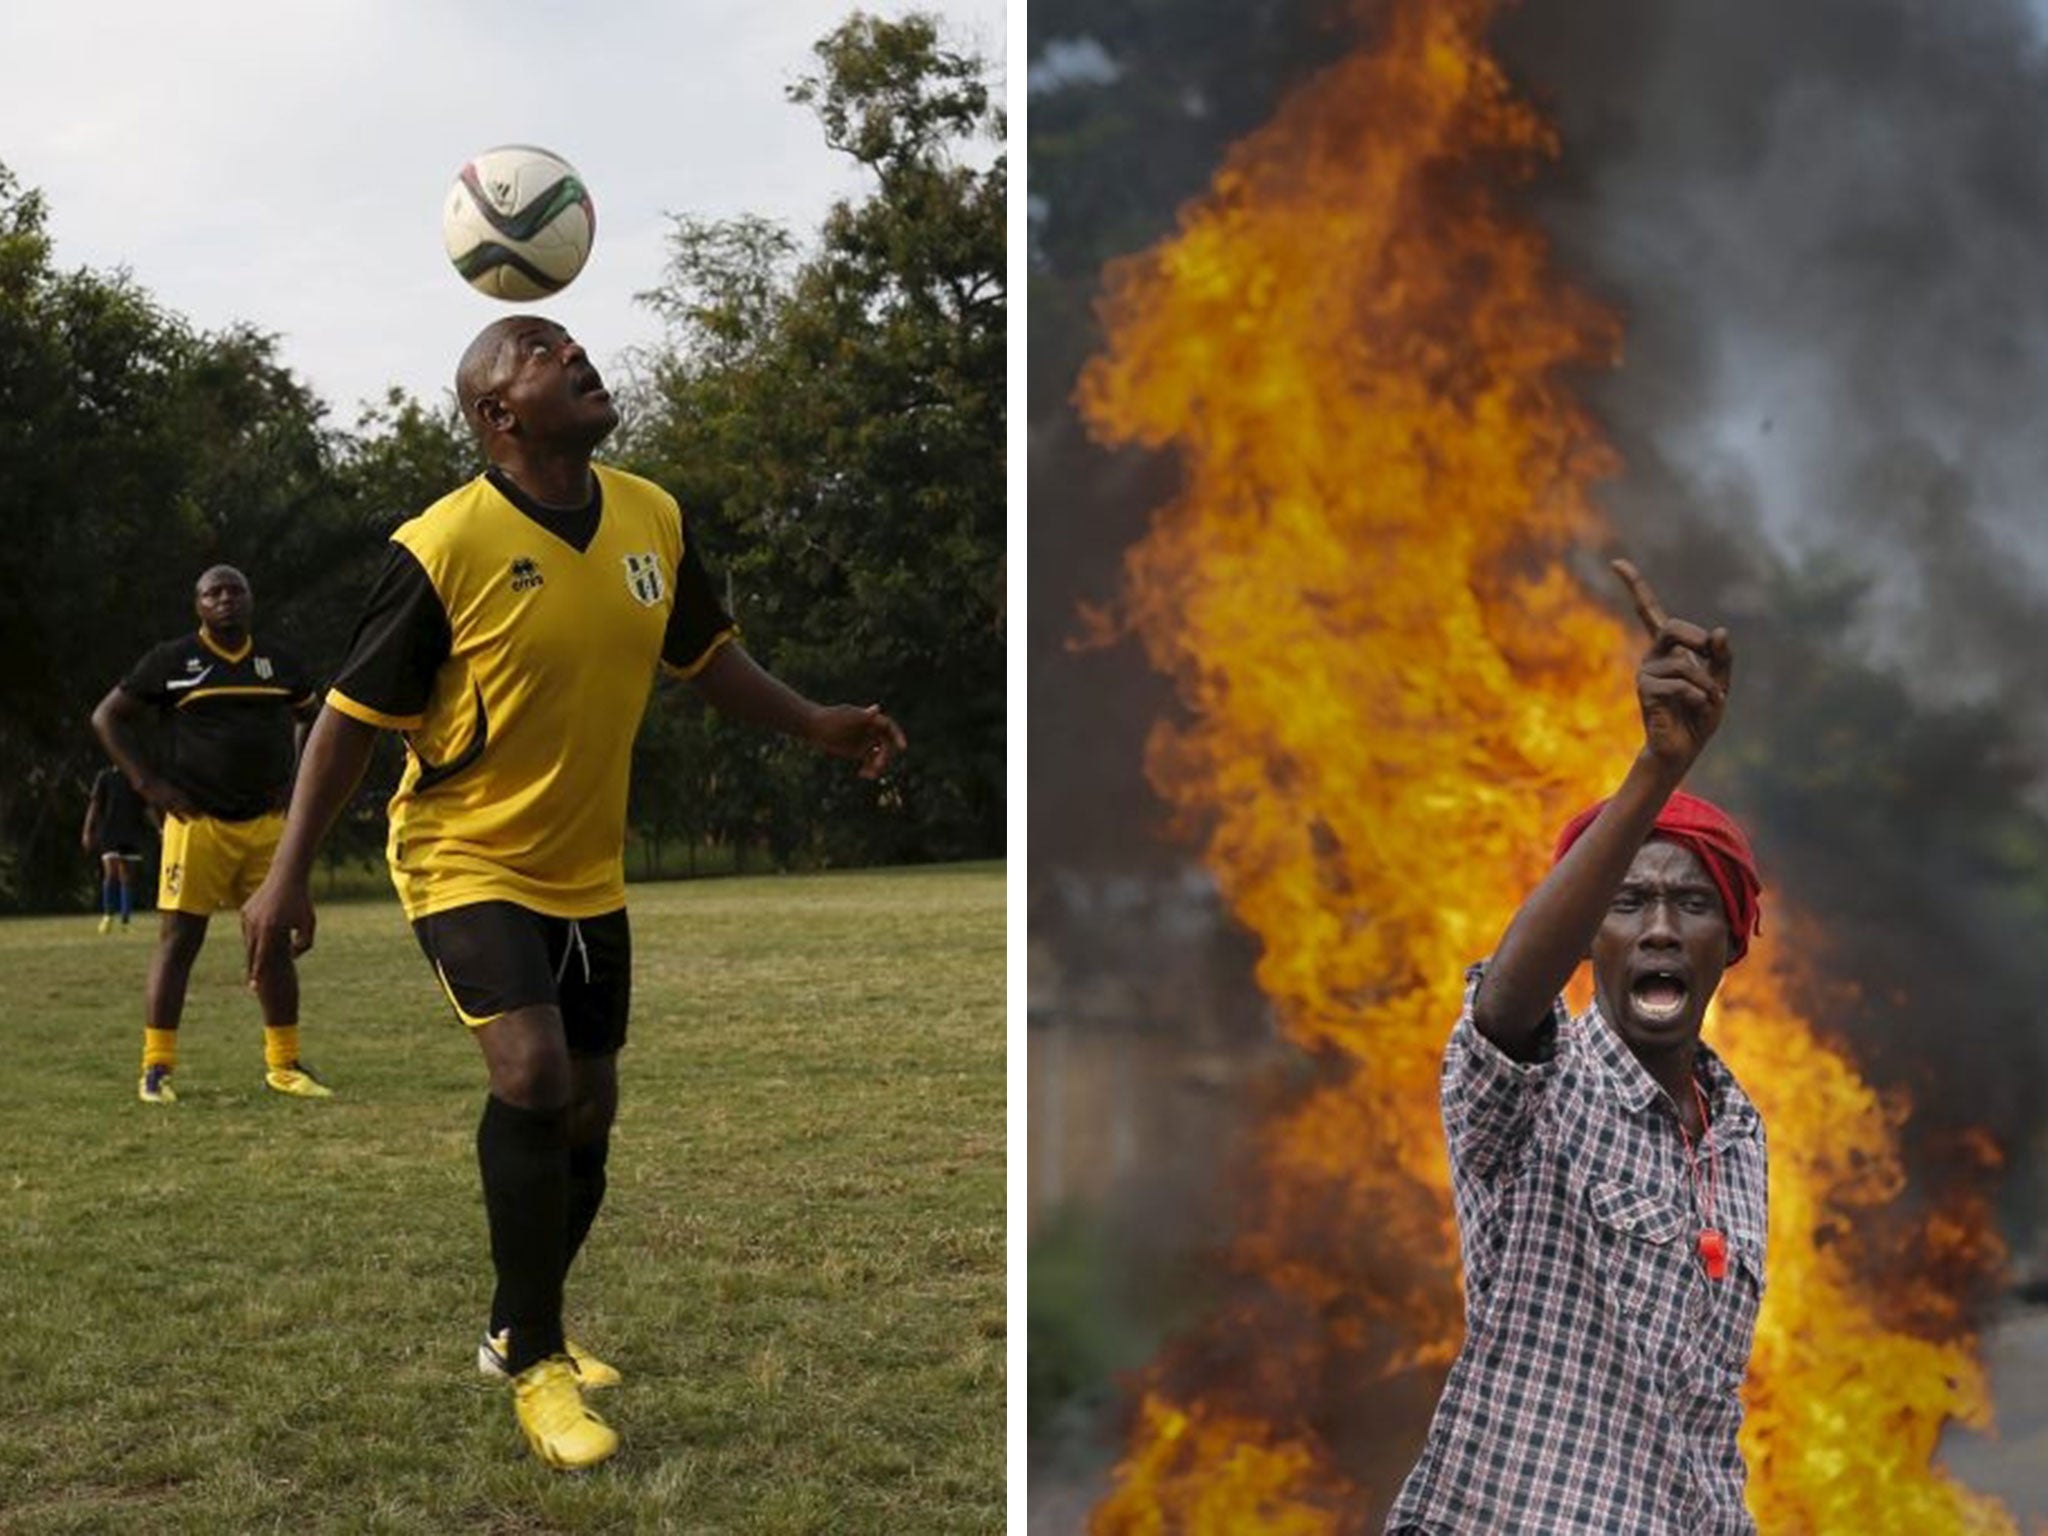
point(1730, 1112)
point(248, 644)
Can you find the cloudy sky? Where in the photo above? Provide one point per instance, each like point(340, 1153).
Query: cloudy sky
point(284, 165)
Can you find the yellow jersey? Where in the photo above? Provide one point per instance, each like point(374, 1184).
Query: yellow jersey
point(515, 646)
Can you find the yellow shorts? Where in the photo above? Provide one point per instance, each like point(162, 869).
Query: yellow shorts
point(208, 864)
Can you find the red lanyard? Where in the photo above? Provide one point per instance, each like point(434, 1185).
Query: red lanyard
point(1713, 1244)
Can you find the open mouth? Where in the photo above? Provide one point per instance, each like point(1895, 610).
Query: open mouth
point(1659, 996)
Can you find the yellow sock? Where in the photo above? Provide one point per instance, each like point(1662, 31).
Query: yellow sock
point(159, 1048)
point(280, 1046)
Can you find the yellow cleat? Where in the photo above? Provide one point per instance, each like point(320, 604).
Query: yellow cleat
point(549, 1406)
point(106, 923)
point(297, 1081)
point(590, 1370)
point(155, 1087)
point(493, 1354)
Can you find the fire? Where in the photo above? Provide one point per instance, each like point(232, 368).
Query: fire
point(1396, 692)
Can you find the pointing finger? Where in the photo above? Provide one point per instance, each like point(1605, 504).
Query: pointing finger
point(1648, 609)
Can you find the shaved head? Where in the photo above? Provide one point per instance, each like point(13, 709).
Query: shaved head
point(224, 601)
point(217, 573)
point(479, 371)
point(528, 390)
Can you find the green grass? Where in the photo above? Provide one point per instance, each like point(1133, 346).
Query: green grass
point(251, 1313)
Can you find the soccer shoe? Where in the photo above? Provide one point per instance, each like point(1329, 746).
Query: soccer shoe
point(549, 1407)
point(298, 1081)
point(106, 923)
point(493, 1358)
point(155, 1087)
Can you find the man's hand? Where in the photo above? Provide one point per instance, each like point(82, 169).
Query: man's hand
point(165, 797)
point(1682, 684)
point(277, 925)
point(866, 736)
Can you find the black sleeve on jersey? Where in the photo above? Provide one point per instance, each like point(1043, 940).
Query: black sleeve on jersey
point(400, 641)
point(146, 679)
point(698, 617)
point(293, 674)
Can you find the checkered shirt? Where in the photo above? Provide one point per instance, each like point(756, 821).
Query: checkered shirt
point(1598, 1388)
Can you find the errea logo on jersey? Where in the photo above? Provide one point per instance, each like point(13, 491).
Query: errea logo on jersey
point(525, 575)
point(644, 578)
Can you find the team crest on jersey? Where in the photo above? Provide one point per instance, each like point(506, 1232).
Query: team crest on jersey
point(525, 575)
point(645, 580)
point(264, 669)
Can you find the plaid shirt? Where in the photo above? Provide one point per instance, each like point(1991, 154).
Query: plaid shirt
point(1598, 1389)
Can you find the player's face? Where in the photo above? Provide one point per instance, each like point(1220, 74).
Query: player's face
point(1660, 950)
point(224, 601)
point(548, 382)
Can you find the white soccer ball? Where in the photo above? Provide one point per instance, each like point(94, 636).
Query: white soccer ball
point(518, 223)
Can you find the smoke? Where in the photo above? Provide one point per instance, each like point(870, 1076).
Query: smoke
point(1827, 225)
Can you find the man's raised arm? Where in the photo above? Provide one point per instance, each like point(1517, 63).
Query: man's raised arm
point(1682, 686)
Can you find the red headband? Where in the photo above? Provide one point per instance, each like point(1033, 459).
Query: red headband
point(1717, 841)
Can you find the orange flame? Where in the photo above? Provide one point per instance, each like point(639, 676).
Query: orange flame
point(1396, 693)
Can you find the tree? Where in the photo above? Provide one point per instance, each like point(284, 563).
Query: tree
point(130, 450)
point(134, 452)
point(834, 422)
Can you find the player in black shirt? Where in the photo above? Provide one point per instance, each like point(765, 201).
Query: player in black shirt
point(221, 782)
point(115, 825)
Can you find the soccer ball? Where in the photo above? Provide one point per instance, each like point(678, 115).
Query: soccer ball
point(518, 223)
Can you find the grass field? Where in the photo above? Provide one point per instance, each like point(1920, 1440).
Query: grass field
point(251, 1313)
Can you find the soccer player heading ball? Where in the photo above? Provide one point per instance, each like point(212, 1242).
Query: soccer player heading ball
point(513, 635)
point(1607, 1171)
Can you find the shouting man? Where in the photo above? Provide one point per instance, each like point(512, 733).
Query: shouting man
point(1608, 1171)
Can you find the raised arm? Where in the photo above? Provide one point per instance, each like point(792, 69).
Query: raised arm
point(1682, 686)
point(734, 684)
point(278, 919)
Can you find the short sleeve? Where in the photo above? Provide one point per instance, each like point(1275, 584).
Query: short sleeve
point(1489, 1099)
point(146, 680)
point(698, 624)
point(400, 642)
point(296, 676)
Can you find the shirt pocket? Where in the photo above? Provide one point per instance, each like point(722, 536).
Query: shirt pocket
point(1728, 1329)
point(1642, 1252)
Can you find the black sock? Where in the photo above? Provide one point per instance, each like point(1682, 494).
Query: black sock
point(586, 1194)
point(524, 1157)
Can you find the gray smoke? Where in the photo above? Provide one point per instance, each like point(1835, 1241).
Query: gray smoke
point(1827, 227)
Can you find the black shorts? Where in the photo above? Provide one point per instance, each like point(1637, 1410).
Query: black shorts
point(495, 956)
